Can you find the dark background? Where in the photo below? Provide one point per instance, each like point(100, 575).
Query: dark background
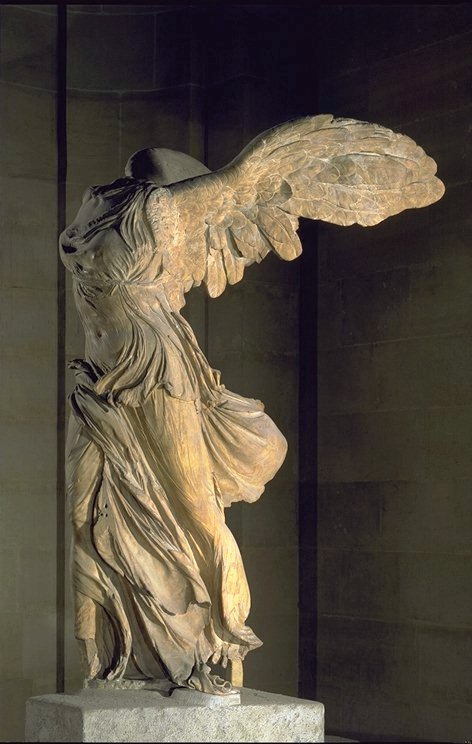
point(360, 349)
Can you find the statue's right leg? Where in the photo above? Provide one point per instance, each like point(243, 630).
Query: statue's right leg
point(84, 464)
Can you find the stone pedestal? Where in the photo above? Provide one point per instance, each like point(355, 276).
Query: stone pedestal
point(95, 715)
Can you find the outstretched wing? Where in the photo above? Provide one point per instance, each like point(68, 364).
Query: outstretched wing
point(337, 170)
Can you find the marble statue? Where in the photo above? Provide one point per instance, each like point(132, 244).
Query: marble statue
point(157, 446)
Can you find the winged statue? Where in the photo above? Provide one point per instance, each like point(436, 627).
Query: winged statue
point(157, 446)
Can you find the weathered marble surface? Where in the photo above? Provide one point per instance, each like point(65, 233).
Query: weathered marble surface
point(157, 446)
point(119, 716)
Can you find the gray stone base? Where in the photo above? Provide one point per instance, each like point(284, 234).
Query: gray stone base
point(97, 715)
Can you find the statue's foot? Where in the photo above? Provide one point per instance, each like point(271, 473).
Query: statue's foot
point(201, 679)
point(90, 659)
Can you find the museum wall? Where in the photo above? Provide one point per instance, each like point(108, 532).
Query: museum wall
point(28, 389)
point(395, 394)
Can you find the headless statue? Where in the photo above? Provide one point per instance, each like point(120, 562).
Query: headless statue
point(157, 446)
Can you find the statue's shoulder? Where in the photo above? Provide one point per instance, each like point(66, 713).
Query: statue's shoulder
point(112, 201)
point(119, 188)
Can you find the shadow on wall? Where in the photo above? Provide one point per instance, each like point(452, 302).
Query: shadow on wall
point(395, 396)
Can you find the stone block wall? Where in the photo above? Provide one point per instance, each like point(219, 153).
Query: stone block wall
point(395, 415)
point(28, 377)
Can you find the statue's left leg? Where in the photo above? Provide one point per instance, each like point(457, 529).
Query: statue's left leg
point(185, 471)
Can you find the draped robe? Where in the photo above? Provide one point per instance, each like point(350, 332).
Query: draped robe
point(157, 448)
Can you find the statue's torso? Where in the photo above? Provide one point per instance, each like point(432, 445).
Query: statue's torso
point(135, 336)
point(136, 340)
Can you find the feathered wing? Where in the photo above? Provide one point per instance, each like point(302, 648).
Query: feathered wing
point(336, 170)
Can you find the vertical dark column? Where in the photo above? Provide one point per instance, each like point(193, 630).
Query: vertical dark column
point(307, 503)
point(308, 383)
point(61, 135)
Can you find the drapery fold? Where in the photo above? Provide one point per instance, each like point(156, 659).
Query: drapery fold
point(157, 562)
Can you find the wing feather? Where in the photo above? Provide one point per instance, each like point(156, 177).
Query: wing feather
point(279, 231)
point(215, 277)
point(337, 170)
point(234, 262)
